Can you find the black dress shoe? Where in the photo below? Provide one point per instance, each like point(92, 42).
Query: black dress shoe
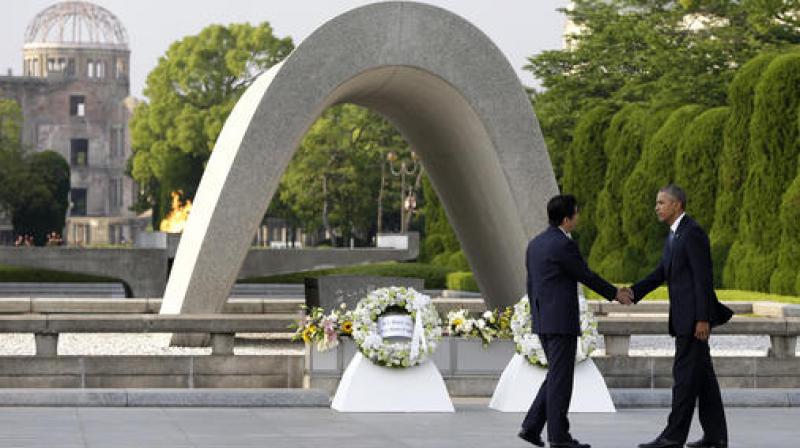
point(703, 443)
point(571, 444)
point(532, 438)
point(662, 443)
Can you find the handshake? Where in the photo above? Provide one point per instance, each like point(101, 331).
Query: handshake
point(625, 296)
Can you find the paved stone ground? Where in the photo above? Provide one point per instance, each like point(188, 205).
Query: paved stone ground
point(473, 426)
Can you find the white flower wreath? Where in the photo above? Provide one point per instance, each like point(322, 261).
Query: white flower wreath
point(528, 344)
point(427, 327)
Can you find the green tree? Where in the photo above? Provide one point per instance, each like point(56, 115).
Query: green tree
point(441, 246)
point(786, 278)
point(585, 170)
point(191, 92)
point(773, 153)
point(656, 167)
point(10, 148)
point(42, 196)
point(697, 160)
point(334, 178)
point(658, 51)
point(733, 166)
point(631, 129)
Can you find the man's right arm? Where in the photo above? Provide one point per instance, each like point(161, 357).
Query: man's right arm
point(649, 283)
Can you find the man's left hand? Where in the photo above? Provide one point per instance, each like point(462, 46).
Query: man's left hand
point(702, 330)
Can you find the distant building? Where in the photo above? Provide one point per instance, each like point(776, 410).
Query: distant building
point(74, 93)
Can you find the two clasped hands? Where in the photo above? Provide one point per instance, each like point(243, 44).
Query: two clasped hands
point(625, 296)
point(702, 329)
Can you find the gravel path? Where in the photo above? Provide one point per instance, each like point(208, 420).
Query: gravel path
point(14, 344)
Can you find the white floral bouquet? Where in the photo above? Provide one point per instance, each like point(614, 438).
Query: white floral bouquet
point(324, 330)
point(489, 326)
point(399, 354)
point(529, 345)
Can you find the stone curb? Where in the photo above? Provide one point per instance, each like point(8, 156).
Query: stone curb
point(240, 398)
point(294, 398)
point(736, 398)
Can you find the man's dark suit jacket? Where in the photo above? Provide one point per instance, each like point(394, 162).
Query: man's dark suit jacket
point(686, 268)
point(555, 266)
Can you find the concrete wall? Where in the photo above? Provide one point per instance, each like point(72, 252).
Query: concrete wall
point(239, 371)
point(145, 271)
point(469, 370)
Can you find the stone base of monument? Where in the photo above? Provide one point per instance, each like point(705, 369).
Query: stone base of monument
point(520, 383)
point(366, 387)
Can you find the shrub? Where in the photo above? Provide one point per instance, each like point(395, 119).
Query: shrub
point(696, 168)
point(585, 170)
point(435, 277)
point(733, 166)
point(773, 153)
point(462, 281)
point(623, 143)
point(656, 168)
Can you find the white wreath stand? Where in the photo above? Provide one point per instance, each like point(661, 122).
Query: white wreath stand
point(366, 387)
point(520, 383)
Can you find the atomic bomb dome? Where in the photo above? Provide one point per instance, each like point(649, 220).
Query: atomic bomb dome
point(76, 24)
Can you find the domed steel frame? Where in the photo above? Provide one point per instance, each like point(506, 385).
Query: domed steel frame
point(76, 23)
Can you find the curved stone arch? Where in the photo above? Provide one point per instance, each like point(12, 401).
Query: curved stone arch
point(445, 86)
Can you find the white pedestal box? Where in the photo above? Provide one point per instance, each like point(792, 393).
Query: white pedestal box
point(366, 387)
point(520, 382)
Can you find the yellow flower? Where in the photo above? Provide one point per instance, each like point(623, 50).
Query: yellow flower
point(347, 327)
point(308, 333)
point(457, 322)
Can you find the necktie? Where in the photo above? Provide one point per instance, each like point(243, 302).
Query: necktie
point(671, 238)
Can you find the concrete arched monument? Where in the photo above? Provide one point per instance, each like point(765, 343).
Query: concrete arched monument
point(445, 86)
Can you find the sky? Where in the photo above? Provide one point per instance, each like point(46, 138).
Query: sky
point(520, 28)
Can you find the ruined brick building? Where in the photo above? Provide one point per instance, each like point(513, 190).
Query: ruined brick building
point(75, 96)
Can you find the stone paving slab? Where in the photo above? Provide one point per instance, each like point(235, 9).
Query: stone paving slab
point(472, 426)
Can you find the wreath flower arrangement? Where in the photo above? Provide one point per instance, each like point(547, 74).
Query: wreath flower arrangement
point(390, 352)
point(528, 343)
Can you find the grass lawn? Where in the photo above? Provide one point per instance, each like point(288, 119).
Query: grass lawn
point(725, 295)
point(18, 274)
point(435, 276)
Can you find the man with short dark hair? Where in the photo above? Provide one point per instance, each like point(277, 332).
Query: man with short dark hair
point(555, 266)
point(693, 311)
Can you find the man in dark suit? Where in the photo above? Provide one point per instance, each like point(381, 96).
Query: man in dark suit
point(693, 311)
point(555, 266)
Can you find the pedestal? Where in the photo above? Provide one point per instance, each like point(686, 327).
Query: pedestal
point(520, 382)
point(366, 387)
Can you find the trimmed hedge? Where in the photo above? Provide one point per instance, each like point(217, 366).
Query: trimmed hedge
point(440, 245)
point(625, 137)
point(9, 274)
point(585, 170)
point(773, 153)
point(786, 279)
point(462, 281)
point(656, 168)
point(697, 160)
point(435, 276)
point(733, 166)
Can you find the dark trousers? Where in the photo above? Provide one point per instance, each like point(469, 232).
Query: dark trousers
point(695, 381)
point(552, 401)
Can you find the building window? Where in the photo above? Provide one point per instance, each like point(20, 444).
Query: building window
point(95, 69)
point(77, 105)
point(79, 152)
point(115, 193)
point(121, 72)
point(117, 142)
point(70, 67)
point(77, 198)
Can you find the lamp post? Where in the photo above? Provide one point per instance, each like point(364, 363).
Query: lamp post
point(406, 168)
